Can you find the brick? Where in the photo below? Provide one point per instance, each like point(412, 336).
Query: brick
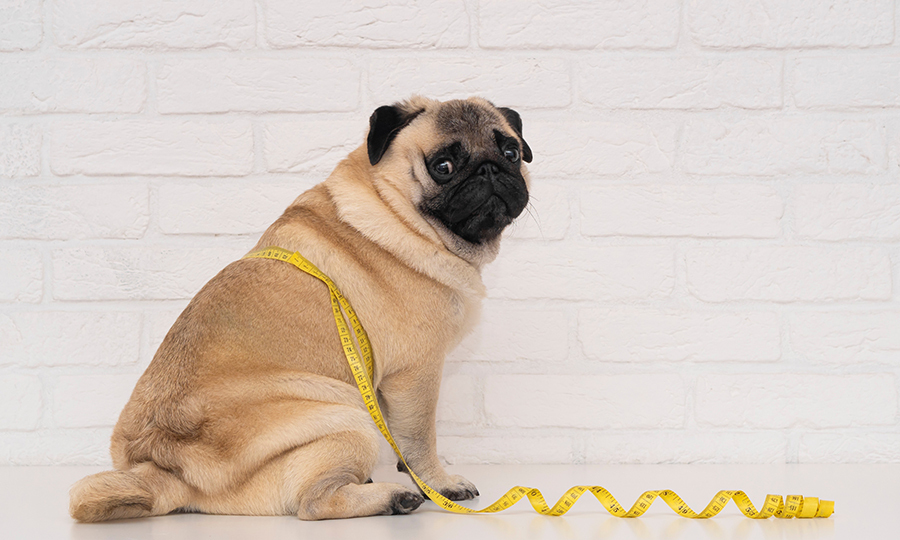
point(847, 211)
point(789, 273)
point(65, 212)
point(204, 85)
point(310, 145)
point(686, 447)
point(579, 24)
point(510, 82)
point(507, 332)
point(59, 338)
point(560, 271)
point(847, 337)
point(650, 82)
point(603, 401)
point(89, 85)
point(20, 150)
point(23, 271)
point(224, 208)
point(56, 447)
point(91, 400)
point(867, 447)
point(634, 335)
point(376, 24)
point(457, 399)
point(505, 450)
point(118, 24)
point(144, 273)
point(704, 211)
point(791, 23)
point(779, 145)
point(846, 81)
point(21, 25)
point(21, 404)
point(153, 147)
point(547, 215)
point(589, 147)
point(783, 400)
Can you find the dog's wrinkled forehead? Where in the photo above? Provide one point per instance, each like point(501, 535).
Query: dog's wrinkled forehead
point(470, 123)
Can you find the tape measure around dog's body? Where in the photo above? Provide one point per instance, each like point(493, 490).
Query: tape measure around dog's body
point(362, 366)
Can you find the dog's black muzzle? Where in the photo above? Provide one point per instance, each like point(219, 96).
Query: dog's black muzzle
point(479, 207)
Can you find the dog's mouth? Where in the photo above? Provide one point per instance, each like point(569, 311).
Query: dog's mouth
point(479, 208)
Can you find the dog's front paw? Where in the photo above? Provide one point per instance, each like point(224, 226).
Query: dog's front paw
point(457, 488)
point(454, 487)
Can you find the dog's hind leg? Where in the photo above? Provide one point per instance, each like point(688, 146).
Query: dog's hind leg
point(144, 490)
point(338, 491)
point(323, 479)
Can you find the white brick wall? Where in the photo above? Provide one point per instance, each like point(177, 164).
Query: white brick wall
point(77, 338)
point(796, 400)
point(309, 145)
point(382, 24)
point(706, 211)
point(20, 148)
point(39, 211)
point(777, 144)
point(690, 82)
point(821, 81)
point(156, 147)
point(608, 402)
point(21, 27)
point(136, 273)
point(578, 24)
point(21, 404)
point(641, 334)
point(89, 85)
point(125, 24)
point(789, 273)
point(791, 23)
point(708, 270)
point(848, 211)
point(223, 207)
point(256, 84)
point(82, 401)
point(519, 81)
point(23, 274)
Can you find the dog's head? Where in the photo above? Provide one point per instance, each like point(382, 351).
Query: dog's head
point(460, 163)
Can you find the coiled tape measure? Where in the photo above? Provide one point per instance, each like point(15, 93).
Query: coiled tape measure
point(362, 366)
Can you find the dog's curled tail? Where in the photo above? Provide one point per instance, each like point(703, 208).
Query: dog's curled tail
point(122, 494)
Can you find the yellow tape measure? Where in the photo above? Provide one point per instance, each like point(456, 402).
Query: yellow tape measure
point(362, 366)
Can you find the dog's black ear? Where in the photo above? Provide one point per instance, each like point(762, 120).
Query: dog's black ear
point(516, 122)
point(384, 124)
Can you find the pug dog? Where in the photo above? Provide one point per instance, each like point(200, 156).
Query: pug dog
point(249, 406)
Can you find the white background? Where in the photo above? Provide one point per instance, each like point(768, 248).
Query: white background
point(708, 271)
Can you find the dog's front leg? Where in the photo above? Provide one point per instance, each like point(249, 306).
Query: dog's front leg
point(410, 399)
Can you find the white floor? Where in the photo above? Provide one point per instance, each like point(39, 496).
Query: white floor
point(33, 505)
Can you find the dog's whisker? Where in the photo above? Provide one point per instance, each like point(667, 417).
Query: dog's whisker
point(535, 217)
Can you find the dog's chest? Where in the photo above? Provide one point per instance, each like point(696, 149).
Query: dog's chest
point(417, 327)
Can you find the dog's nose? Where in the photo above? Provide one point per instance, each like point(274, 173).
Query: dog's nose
point(488, 168)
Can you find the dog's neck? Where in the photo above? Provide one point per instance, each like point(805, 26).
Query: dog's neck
point(387, 217)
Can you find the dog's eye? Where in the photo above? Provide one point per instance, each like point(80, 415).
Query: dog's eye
point(511, 154)
point(444, 167)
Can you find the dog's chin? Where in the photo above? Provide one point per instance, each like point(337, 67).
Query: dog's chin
point(476, 238)
point(485, 223)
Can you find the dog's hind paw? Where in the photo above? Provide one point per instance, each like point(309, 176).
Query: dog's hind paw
point(404, 502)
